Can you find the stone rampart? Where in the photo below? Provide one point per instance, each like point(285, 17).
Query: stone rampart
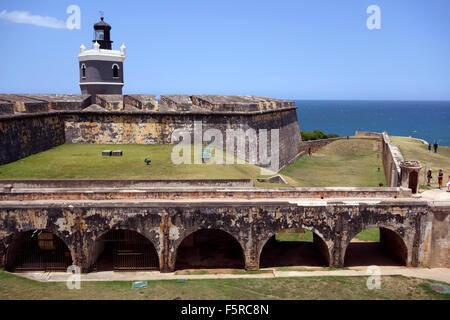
point(140, 119)
point(23, 135)
point(392, 157)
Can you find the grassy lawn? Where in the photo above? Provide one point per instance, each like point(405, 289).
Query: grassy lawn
point(352, 162)
point(343, 163)
point(372, 234)
point(395, 287)
point(84, 161)
point(412, 149)
point(307, 236)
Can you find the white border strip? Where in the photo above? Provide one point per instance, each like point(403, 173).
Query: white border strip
point(101, 57)
point(100, 83)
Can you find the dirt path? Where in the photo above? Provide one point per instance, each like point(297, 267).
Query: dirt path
point(436, 274)
point(436, 194)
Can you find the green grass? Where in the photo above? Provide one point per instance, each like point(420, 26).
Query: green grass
point(351, 162)
point(84, 161)
point(14, 287)
point(300, 269)
point(343, 163)
point(413, 149)
point(307, 236)
point(236, 271)
point(372, 234)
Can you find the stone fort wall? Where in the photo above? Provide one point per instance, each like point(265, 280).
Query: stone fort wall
point(40, 122)
point(23, 135)
point(414, 231)
point(391, 156)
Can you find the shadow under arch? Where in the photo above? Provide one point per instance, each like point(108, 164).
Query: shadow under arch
point(123, 250)
point(209, 248)
point(389, 250)
point(37, 250)
point(294, 247)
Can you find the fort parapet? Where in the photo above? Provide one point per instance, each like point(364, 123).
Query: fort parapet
point(34, 123)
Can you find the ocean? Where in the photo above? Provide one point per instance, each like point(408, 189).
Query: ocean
point(428, 120)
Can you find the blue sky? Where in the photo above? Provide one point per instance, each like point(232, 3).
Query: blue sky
point(296, 49)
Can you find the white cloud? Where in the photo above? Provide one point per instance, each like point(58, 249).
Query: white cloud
point(26, 17)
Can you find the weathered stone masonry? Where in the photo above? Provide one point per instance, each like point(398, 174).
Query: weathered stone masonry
point(139, 119)
point(423, 229)
point(23, 135)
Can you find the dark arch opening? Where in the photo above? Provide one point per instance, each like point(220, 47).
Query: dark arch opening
point(413, 181)
point(83, 71)
point(209, 248)
point(294, 247)
point(38, 250)
point(376, 246)
point(124, 250)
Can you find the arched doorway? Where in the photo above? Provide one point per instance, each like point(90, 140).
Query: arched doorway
point(294, 247)
point(124, 250)
point(209, 248)
point(413, 181)
point(376, 246)
point(38, 250)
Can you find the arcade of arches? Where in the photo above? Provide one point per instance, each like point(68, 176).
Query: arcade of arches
point(125, 250)
point(237, 235)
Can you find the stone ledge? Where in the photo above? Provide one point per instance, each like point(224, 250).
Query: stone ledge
point(163, 111)
point(193, 192)
point(214, 203)
point(202, 104)
point(111, 184)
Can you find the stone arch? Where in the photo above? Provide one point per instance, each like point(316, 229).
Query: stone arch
point(149, 226)
point(236, 249)
point(26, 250)
point(142, 241)
point(390, 238)
point(324, 248)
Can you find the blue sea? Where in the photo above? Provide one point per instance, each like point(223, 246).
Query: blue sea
point(428, 120)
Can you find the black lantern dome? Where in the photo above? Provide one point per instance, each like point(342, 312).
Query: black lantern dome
point(102, 34)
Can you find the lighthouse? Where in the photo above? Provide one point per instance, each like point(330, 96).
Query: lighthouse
point(101, 68)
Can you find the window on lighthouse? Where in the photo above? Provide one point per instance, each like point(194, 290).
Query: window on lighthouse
point(115, 71)
point(99, 35)
point(83, 71)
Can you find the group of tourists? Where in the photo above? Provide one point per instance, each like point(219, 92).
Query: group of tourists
point(440, 179)
point(441, 172)
point(435, 147)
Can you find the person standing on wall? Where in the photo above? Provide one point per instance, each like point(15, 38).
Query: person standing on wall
point(440, 178)
point(429, 147)
point(435, 146)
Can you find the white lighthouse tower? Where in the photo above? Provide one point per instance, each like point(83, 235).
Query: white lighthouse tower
point(101, 68)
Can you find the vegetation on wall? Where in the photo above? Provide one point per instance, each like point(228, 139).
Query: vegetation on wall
point(316, 135)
